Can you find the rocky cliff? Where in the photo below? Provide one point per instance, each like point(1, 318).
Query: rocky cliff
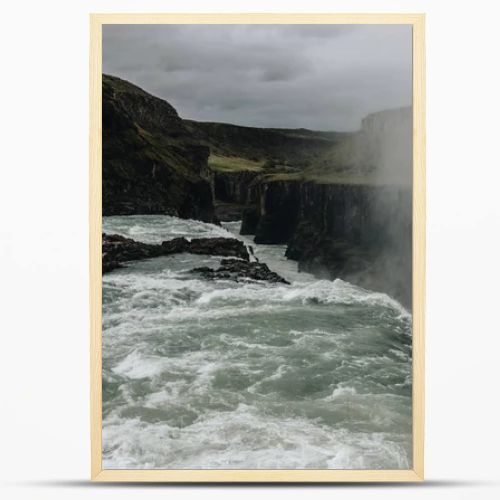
point(151, 163)
point(360, 233)
point(357, 232)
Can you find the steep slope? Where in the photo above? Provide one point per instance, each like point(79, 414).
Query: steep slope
point(151, 162)
point(288, 147)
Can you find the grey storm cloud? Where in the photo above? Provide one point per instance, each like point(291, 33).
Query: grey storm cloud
point(322, 77)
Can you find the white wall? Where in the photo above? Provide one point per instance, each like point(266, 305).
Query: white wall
point(43, 248)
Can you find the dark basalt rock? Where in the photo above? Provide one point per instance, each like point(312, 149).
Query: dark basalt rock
point(231, 190)
point(232, 187)
point(274, 218)
point(279, 212)
point(359, 233)
point(234, 269)
point(227, 247)
point(251, 217)
point(117, 249)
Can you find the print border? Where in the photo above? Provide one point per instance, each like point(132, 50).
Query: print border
point(95, 221)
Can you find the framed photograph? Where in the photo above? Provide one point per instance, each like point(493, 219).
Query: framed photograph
point(257, 247)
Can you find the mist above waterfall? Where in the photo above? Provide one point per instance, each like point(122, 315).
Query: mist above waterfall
point(383, 146)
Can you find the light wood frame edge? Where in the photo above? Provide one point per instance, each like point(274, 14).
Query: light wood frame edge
point(95, 250)
point(419, 248)
point(419, 245)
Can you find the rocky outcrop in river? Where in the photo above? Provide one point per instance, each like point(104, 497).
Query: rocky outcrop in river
point(117, 249)
point(237, 270)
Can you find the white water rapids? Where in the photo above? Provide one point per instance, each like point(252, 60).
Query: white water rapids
point(202, 374)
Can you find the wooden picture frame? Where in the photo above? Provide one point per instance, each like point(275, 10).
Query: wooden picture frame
point(97, 471)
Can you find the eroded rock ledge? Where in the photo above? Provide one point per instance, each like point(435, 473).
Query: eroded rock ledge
point(118, 249)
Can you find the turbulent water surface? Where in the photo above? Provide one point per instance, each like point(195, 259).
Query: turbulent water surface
point(218, 374)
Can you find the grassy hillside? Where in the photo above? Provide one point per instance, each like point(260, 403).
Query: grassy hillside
point(297, 148)
point(380, 153)
point(234, 164)
point(282, 154)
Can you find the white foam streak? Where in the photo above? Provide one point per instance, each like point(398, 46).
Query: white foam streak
point(321, 291)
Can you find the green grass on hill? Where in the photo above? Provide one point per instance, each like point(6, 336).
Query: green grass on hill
point(323, 175)
point(322, 158)
point(234, 164)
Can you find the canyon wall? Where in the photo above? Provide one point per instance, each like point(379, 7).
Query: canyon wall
point(357, 232)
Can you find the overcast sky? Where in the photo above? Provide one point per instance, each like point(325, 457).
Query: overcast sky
point(323, 77)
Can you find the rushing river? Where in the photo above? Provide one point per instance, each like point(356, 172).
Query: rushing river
point(225, 375)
